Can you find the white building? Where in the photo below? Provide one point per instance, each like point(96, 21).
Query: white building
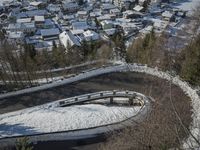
point(68, 39)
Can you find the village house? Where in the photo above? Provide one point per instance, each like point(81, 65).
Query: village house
point(23, 27)
point(167, 16)
point(50, 34)
point(48, 24)
point(82, 15)
point(138, 8)
point(69, 17)
point(106, 7)
point(70, 6)
point(31, 14)
point(146, 30)
point(110, 32)
point(18, 36)
point(68, 39)
point(159, 25)
point(141, 2)
point(106, 24)
point(53, 8)
point(90, 35)
point(39, 21)
point(123, 3)
point(24, 20)
point(132, 14)
point(80, 25)
point(44, 45)
point(77, 32)
point(37, 4)
point(115, 11)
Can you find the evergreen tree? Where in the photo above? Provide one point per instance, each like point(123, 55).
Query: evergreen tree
point(191, 64)
point(142, 50)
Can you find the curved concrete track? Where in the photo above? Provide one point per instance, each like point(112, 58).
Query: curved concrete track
point(182, 101)
point(93, 133)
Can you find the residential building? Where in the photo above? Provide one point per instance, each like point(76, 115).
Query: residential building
point(167, 16)
point(39, 21)
point(107, 24)
point(53, 8)
point(68, 39)
point(70, 6)
point(123, 3)
point(80, 25)
point(16, 36)
point(50, 34)
point(24, 20)
point(138, 8)
point(82, 15)
point(23, 27)
point(90, 35)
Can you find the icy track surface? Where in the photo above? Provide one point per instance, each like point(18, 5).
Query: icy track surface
point(43, 119)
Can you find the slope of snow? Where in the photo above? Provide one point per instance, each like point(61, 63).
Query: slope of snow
point(52, 119)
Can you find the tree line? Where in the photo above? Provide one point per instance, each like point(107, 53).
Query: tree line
point(22, 63)
point(159, 52)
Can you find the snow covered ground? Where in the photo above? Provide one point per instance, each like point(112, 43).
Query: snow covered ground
point(187, 5)
point(45, 119)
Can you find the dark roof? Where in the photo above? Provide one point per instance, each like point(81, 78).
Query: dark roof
point(50, 32)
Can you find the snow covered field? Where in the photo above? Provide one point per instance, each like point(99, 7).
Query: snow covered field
point(44, 119)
